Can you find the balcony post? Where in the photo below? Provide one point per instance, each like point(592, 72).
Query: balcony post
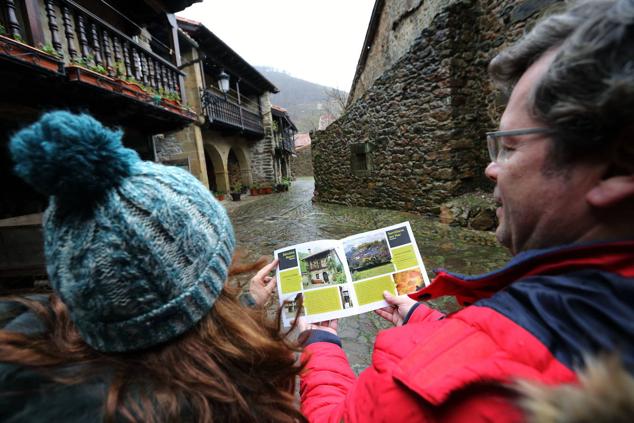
point(83, 38)
point(67, 19)
point(95, 44)
point(107, 53)
point(35, 23)
point(14, 25)
point(240, 103)
point(52, 25)
point(126, 58)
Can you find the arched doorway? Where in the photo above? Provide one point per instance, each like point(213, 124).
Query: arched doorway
point(216, 172)
point(238, 167)
point(233, 167)
point(211, 173)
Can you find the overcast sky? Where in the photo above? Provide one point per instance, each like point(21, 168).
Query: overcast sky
point(316, 40)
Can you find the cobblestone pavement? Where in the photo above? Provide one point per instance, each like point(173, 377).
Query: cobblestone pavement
point(263, 224)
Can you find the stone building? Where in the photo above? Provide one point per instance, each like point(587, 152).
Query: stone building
point(240, 137)
point(302, 162)
point(413, 133)
point(117, 60)
point(233, 141)
point(284, 131)
point(318, 265)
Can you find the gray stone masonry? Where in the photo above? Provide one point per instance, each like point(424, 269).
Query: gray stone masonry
point(425, 118)
point(302, 163)
point(262, 165)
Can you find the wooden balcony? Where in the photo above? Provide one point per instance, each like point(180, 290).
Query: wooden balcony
point(227, 112)
point(284, 142)
point(86, 60)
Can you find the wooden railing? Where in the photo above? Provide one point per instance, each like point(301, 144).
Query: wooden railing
point(245, 102)
point(287, 144)
point(81, 38)
point(218, 108)
point(284, 140)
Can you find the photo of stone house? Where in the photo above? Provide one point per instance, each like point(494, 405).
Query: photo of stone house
point(321, 268)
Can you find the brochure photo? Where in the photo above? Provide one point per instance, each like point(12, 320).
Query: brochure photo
point(338, 278)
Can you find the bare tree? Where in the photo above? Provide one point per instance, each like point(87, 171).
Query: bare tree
point(335, 101)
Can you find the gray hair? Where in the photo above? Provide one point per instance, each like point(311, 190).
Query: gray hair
point(587, 94)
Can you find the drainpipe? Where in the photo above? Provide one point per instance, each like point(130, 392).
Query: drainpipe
point(239, 103)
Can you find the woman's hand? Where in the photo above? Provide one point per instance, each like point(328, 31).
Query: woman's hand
point(262, 285)
point(397, 309)
point(327, 325)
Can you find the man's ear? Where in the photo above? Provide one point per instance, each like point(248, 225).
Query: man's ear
point(611, 191)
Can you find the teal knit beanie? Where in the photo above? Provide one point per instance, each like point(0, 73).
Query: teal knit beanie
point(138, 251)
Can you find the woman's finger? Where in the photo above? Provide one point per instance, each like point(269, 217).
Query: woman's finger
point(266, 269)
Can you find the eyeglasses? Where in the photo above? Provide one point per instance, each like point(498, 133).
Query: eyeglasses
point(497, 151)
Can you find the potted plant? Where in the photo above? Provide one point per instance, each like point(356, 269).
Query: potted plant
point(267, 189)
point(255, 189)
point(220, 196)
point(236, 192)
point(87, 71)
point(170, 98)
point(132, 87)
point(16, 47)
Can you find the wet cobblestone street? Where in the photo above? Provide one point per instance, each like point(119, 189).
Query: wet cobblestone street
point(263, 224)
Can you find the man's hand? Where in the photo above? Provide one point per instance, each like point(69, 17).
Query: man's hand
point(326, 325)
point(397, 309)
point(262, 285)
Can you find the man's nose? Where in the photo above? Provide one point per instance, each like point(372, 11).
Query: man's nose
point(492, 171)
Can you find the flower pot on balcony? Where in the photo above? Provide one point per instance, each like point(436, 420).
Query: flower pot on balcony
point(90, 77)
point(176, 107)
point(30, 56)
point(219, 196)
point(170, 103)
point(133, 90)
point(254, 191)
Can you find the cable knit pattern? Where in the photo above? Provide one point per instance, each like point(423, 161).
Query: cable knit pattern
point(147, 261)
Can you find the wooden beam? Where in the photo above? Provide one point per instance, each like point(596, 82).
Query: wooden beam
point(175, 50)
point(34, 22)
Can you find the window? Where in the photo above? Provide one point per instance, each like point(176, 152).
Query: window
point(360, 158)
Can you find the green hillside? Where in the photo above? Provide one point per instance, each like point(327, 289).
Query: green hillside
point(305, 101)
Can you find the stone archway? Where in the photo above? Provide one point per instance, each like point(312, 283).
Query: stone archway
point(216, 169)
point(238, 167)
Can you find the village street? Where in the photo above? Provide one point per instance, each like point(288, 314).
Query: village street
point(265, 223)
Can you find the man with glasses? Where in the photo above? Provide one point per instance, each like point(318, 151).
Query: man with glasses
point(563, 166)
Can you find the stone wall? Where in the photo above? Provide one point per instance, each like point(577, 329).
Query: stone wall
point(423, 120)
point(398, 27)
point(186, 144)
point(262, 153)
point(302, 163)
point(228, 157)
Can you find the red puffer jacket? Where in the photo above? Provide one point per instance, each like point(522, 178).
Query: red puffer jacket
point(544, 311)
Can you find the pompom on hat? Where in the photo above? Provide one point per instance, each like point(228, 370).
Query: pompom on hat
point(138, 251)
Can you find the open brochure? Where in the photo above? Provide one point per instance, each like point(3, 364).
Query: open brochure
point(339, 278)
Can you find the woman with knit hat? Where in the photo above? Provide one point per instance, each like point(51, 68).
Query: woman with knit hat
point(141, 326)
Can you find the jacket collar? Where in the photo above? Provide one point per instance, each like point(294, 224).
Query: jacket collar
point(616, 257)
